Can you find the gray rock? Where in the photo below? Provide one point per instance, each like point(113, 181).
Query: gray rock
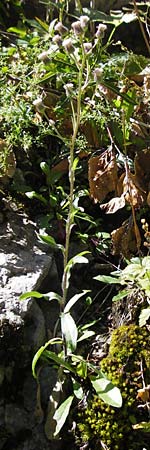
point(23, 267)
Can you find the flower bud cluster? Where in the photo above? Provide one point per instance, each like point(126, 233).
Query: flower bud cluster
point(80, 25)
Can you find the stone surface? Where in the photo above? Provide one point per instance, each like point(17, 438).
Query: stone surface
point(25, 265)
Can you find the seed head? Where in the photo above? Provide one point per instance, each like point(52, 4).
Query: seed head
point(101, 31)
point(84, 21)
point(57, 39)
point(44, 56)
point(87, 47)
point(60, 28)
point(68, 45)
point(69, 89)
point(77, 28)
point(39, 105)
point(98, 72)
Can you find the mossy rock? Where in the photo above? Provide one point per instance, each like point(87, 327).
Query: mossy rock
point(128, 366)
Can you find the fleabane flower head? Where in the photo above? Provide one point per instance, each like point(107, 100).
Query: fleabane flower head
point(39, 105)
point(68, 45)
point(87, 47)
point(69, 89)
point(57, 39)
point(77, 29)
point(84, 21)
point(98, 72)
point(59, 27)
point(101, 31)
point(44, 56)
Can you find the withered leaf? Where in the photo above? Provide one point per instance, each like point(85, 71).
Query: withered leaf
point(124, 240)
point(113, 205)
point(128, 185)
point(102, 175)
point(144, 394)
point(142, 168)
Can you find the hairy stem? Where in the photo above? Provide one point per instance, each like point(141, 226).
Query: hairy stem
point(70, 218)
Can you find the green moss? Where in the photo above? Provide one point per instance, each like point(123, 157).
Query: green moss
point(130, 345)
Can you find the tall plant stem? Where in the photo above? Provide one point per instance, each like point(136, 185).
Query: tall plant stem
point(70, 218)
point(141, 26)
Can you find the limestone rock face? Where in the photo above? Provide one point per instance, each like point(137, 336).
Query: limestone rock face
point(23, 267)
point(24, 327)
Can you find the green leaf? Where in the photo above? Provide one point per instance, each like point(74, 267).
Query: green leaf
point(145, 426)
point(107, 391)
point(122, 294)
point(42, 24)
point(113, 88)
point(73, 300)
point(50, 295)
point(69, 331)
point(86, 335)
point(144, 316)
point(31, 294)
point(99, 16)
point(39, 353)
point(47, 354)
point(22, 33)
point(77, 389)
point(107, 279)
point(50, 241)
point(61, 414)
point(78, 259)
point(81, 369)
point(33, 194)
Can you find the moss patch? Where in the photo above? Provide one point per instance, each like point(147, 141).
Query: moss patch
point(127, 363)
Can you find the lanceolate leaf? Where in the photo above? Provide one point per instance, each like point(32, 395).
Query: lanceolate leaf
point(39, 353)
point(120, 296)
point(69, 331)
point(61, 414)
point(107, 279)
point(86, 335)
point(107, 391)
point(74, 299)
point(50, 296)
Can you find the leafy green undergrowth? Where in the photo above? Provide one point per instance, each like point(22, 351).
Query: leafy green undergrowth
point(128, 366)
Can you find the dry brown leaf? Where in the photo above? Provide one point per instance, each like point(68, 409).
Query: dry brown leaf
point(102, 175)
point(142, 168)
point(144, 394)
point(124, 240)
point(113, 205)
point(128, 185)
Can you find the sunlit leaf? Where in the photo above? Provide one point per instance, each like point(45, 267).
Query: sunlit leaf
point(61, 414)
point(77, 389)
point(144, 426)
point(73, 300)
point(39, 353)
point(35, 294)
point(106, 279)
point(33, 194)
point(120, 296)
point(69, 331)
point(144, 316)
point(107, 391)
point(50, 241)
point(81, 369)
point(21, 32)
point(86, 335)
